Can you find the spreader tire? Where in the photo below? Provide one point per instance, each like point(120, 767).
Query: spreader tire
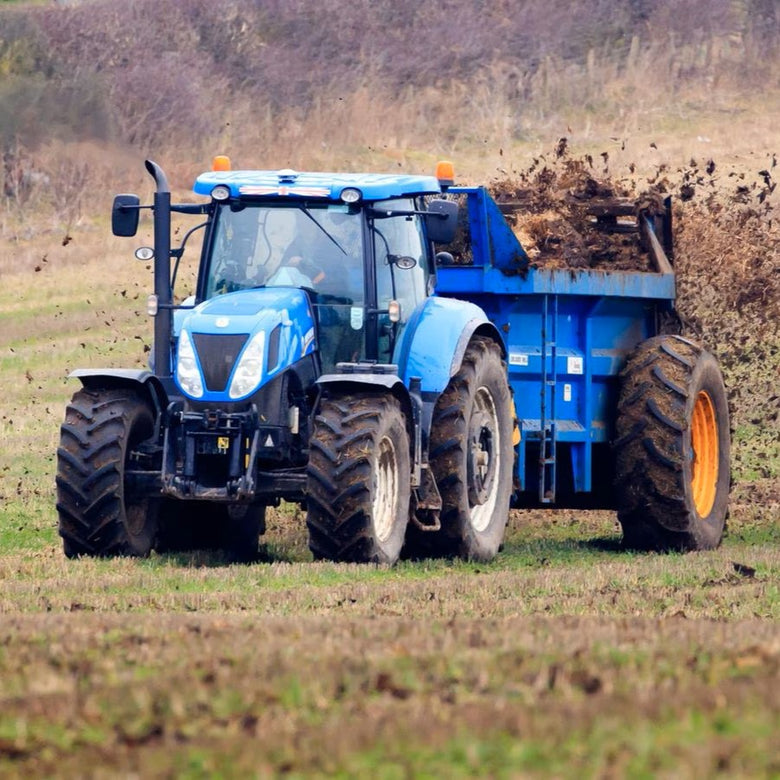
point(471, 457)
point(358, 480)
point(672, 448)
point(98, 515)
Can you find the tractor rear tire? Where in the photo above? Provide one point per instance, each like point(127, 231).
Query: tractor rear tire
point(472, 459)
point(98, 515)
point(672, 448)
point(359, 478)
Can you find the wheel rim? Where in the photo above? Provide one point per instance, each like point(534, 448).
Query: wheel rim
point(484, 459)
point(704, 441)
point(385, 489)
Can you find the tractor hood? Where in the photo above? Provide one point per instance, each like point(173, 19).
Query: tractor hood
point(231, 345)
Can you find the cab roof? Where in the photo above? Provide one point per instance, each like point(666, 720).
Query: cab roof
point(327, 186)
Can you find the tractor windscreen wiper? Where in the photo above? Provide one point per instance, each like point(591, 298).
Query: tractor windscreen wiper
point(314, 220)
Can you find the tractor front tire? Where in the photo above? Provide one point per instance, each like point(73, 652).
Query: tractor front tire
point(672, 468)
point(359, 478)
point(472, 459)
point(98, 515)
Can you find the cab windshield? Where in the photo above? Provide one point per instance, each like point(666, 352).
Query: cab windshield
point(314, 247)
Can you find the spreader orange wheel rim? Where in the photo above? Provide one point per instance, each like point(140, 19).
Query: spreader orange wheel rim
point(704, 440)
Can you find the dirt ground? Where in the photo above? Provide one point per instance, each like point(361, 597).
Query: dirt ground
point(566, 656)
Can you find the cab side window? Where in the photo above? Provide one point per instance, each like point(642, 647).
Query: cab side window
point(401, 268)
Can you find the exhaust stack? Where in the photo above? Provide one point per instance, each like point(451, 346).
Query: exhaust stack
point(163, 320)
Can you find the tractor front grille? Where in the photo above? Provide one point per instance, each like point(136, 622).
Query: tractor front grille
point(218, 355)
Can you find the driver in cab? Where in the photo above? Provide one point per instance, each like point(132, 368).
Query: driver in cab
point(321, 247)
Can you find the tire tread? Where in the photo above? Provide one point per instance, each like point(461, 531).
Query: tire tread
point(650, 447)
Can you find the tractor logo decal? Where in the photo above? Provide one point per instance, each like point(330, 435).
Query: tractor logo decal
point(311, 192)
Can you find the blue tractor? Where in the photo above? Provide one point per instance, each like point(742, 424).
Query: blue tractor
point(404, 396)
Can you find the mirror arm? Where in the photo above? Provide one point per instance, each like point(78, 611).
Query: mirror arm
point(190, 208)
point(386, 213)
point(125, 207)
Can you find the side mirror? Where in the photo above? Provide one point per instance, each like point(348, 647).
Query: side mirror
point(442, 221)
point(124, 215)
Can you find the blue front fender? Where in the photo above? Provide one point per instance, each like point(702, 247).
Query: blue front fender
point(435, 339)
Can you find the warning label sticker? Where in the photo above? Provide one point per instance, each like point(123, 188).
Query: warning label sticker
point(518, 359)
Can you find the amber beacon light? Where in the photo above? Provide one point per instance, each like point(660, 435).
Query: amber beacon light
point(220, 163)
point(445, 173)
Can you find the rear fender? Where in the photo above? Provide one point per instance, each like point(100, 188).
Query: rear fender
point(431, 351)
point(435, 340)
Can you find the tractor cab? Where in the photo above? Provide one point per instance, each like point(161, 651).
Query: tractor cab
point(359, 246)
point(317, 249)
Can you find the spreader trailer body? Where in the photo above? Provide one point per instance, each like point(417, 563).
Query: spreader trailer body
point(616, 410)
point(336, 355)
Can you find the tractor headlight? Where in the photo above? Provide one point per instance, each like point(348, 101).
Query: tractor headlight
point(249, 370)
point(187, 372)
point(351, 195)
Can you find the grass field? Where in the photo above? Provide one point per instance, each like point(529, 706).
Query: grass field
point(564, 657)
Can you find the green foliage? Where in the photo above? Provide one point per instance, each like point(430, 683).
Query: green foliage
point(25, 71)
point(42, 98)
point(22, 49)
